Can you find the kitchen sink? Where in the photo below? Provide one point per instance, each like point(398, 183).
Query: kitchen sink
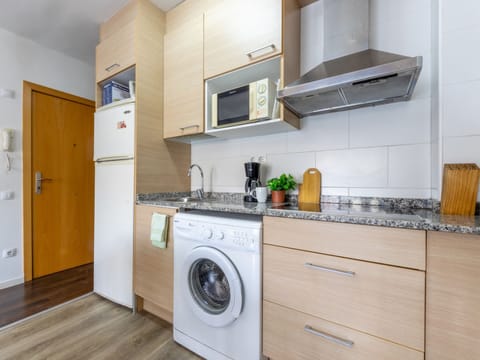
point(184, 199)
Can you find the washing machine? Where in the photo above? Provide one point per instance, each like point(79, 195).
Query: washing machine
point(218, 285)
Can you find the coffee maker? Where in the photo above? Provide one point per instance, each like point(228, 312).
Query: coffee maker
point(252, 172)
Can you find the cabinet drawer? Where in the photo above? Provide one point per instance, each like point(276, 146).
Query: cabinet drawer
point(381, 300)
point(289, 334)
point(153, 269)
point(115, 53)
point(400, 247)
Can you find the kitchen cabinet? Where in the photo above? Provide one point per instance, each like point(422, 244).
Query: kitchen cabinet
point(136, 32)
point(344, 291)
point(183, 111)
point(205, 38)
point(115, 53)
point(153, 267)
point(453, 296)
point(239, 32)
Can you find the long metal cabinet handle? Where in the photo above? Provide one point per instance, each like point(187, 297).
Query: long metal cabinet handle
point(189, 126)
point(250, 54)
point(327, 269)
point(113, 158)
point(332, 338)
point(111, 67)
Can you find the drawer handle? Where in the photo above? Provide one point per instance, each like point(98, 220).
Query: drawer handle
point(336, 340)
point(189, 127)
point(327, 269)
point(111, 67)
point(250, 54)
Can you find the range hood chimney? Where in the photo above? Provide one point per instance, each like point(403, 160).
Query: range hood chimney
point(352, 75)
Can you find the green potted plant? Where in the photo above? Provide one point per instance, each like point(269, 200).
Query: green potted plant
point(280, 185)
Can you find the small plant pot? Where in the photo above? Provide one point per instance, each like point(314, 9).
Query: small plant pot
point(278, 196)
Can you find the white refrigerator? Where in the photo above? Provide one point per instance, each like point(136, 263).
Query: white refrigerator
point(114, 139)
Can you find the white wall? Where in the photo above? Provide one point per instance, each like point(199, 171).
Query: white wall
point(22, 59)
point(375, 151)
point(459, 85)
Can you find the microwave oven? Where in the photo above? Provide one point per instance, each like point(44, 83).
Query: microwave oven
point(248, 103)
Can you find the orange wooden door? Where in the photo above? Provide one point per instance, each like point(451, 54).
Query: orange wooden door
point(62, 213)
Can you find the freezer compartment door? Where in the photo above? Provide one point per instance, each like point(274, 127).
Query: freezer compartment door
point(114, 132)
point(113, 256)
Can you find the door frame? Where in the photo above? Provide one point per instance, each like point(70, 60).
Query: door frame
point(28, 89)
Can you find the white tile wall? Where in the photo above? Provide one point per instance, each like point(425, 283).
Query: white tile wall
point(392, 124)
point(461, 109)
point(354, 168)
point(459, 74)
point(460, 55)
point(322, 132)
point(460, 14)
point(375, 151)
point(409, 166)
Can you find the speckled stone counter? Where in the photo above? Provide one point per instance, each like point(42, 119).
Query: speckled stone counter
point(397, 213)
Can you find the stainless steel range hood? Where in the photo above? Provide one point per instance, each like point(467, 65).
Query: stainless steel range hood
point(350, 74)
point(365, 78)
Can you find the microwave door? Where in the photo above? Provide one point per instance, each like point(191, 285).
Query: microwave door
point(233, 106)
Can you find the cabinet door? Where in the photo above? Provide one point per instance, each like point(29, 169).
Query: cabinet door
point(153, 268)
point(115, 53)
point(453, 296)
point(183, 112)
point(384, 301)
point(240, 32)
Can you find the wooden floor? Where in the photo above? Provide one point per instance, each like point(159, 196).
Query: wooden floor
point(21, 301)
point(91, 328)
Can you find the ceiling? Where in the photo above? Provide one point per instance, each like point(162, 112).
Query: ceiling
point(68, 26)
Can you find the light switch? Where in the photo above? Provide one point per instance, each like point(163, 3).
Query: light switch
point(6, 195)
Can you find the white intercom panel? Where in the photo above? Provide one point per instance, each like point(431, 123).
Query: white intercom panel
point(6, 138)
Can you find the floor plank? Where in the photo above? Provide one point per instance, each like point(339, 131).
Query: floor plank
point(91, 328)
point(21, 301)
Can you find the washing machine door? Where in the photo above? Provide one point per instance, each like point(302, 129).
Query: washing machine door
point(212, 286)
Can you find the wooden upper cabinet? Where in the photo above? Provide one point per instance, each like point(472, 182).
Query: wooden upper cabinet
point(453, 296)
point(183, 112)
point(241, 32)
point(116, 52)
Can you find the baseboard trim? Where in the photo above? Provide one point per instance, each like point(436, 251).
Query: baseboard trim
point(11, 282)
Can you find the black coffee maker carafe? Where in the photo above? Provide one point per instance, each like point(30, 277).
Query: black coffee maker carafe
point(252, 172)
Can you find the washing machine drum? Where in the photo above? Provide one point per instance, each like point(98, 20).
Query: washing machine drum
point(212, 286)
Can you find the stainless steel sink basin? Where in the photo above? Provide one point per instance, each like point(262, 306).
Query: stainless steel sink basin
point(184, 199)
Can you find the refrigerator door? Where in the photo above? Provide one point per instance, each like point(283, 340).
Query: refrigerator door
point(113, 249)
point(115, 132)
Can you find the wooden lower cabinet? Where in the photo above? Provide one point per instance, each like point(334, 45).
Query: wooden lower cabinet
point(385, 301)
point(290, 334)
point(153, 267)
point(341, 291)
point(453, 297)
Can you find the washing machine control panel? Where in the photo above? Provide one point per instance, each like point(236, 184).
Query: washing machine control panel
point(221, 235)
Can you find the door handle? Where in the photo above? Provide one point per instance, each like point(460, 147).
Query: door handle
point(38, 182)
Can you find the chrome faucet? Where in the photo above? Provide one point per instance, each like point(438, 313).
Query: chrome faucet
point(199, 192)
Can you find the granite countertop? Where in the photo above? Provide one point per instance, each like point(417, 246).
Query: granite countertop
point(396, 213)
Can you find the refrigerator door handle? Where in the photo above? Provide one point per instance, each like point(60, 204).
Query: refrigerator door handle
point(113, 158)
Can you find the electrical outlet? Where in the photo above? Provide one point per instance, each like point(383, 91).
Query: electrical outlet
point(6, 253)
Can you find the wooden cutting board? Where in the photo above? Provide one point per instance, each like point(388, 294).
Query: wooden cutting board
point(310, 191)
point(459, 189)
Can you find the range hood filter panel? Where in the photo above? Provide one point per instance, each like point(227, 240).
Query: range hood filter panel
point(308, 104)
point(384, 89)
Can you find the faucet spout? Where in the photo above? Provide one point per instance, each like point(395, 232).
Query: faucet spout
point(199, 192)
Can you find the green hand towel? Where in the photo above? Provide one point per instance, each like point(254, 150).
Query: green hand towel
point(159, 230)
